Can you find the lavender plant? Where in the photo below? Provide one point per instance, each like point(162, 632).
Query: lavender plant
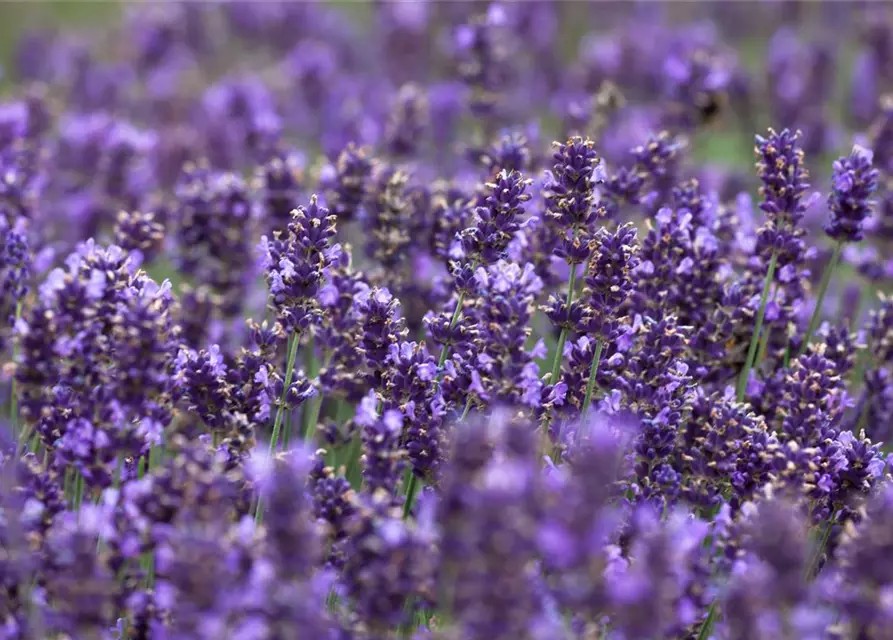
point(307, 332)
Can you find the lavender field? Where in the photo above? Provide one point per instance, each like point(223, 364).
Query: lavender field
point(446, 321)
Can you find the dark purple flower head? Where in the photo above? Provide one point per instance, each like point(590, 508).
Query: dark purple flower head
point(510, 153)
point(15, 272)
point(80, 584)
point(383, 326)
point(383, 457)
point(138, 231)
point(489, 514)
point(213, 221)
point(345, 183)
point(294, 265)
point(389, 562)
point(659, 159)
point(784, 177)
point(853, 181)
point(504, 364)
point(410, 386)
point(201, 380)
point(623, 186)
point(809, 402)
point(292, 536)
point(390, 216)
point(609, 281)
point(408, 125)
point(570, 197)
point(281, 181)
point(483, 49)
point(866, 567)
point(497, 221)
point(333, 501)
point(663, 589)
point(881, 136)
point(767, 594)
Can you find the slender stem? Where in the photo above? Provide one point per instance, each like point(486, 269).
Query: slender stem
point(141, 467)
point(764, 346)
point(754, 340)
point(707, 627)
point(593, 372)
point(316, 404)
point(457, 313)
point(154, 455)
point(863, 413)
point(353, 461)
point(13, 390)
point(293, 342)
point(22, 439)
point(467, 409)
point(445, 352)
point(66, 484)
point(118, 472)
point(78, 490)
point(411, 490)
point(813, 566)
point(820, 296)
point(562, 337)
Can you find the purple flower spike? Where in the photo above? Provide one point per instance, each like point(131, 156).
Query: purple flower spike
point(853, 182)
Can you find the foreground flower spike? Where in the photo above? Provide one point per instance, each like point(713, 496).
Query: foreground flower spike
point(571, 210)
point(609, 284)
point(853, 182)
point(866, 573)
point(484, 242)
point(784, 177)
point(768, 579)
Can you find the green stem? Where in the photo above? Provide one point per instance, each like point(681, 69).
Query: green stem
point(293, 342)
point(22, 439)
point(754, 340)
point(316, 404)
point(411, 490)
point(141, 467)
point(467, 409)
point(353, 461)
point(707, 627)
point(593, 372)
point(78, 490)
point(562, 337)
point(820, 296)
point(445, 352)
point(118, 471)
point(457, 313)
point(764, 346)
point(66, 484)
point(813, 565)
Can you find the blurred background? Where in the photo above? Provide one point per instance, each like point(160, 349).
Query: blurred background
point(835, 37)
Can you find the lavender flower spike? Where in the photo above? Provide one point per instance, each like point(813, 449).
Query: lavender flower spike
point(853, 181)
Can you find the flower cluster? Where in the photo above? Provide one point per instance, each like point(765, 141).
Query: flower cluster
point(307, 332)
